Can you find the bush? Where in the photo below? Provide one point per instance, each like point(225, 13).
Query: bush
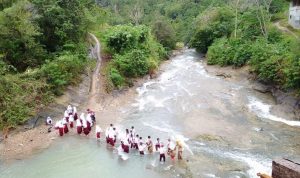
point(63, 71)
point(132, 64)
point(228, 52)
point(116, 78)
point(20, 97)
point(135, 51)
point(122, 38)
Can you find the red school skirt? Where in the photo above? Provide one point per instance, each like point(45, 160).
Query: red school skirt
point(86, 131)
point(79, 129)
point(98, 134)
point(66, 129)
point(71, 124)
point(61, 131)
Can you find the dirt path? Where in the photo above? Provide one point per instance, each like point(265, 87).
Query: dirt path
point(95, 80)
point(285, 30)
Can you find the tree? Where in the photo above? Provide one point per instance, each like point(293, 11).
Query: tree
point(19, 37)
point(136, 14)
point(164, 33)
point(61, 22)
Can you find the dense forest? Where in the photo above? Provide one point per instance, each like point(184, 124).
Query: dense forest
point(42, 50)
point(43, 44)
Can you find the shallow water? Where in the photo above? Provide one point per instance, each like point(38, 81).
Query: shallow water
point(228, 129)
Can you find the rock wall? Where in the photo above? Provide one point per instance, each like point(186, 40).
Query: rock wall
point(284, 168)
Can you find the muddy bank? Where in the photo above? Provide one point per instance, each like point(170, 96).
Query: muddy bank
point(287, 104)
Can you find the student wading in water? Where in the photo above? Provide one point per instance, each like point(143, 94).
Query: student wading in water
point(162, 155)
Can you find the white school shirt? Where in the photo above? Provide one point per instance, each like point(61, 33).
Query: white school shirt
point(161, 150)
point(78, 123)
point(126, 142)
point(89, 119)
point(70, 109)
point(71, 118)
point(98, 129)
point(111, 134)
point(82, 116)
point(49, 120)
point(172, 146)
point(84, 124)
point(74, 110)
point(132, 131)
point(141, 147)
point(57, 124)
point(64, 121)
point(61, 124)
point(66, 114)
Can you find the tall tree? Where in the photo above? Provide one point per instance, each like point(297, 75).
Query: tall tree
point(18, 37)
point(61, 22)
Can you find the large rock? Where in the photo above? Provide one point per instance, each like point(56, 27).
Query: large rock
point(284, 168)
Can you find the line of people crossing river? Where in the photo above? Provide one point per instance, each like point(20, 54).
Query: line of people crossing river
point(130, 140)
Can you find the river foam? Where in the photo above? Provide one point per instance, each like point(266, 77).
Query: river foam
point(263, 110)
point(256, 163)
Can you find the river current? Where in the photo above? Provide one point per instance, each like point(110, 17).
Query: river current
point(227, 127)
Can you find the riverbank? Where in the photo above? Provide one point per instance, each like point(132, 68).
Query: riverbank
point(23, 142)
point(90, 93)
point(286, 102)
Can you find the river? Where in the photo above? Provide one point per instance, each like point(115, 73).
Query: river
point(228, 128)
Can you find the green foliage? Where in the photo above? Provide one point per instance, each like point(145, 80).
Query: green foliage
point(122, 38)
point(292, 72)
point(228, 52)
point(165, 34)
point(135, 53)
point(211, 24)
point(62, 71)
point(116, 78)
point(42, 51)
point(20, 97)
point(61, 22)
point(18, 37)
point(278, 6)
point(249, 25)
point(132, 64)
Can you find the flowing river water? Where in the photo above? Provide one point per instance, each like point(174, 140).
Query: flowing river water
point(228, 128)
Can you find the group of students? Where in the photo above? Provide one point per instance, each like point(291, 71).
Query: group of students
point(84, 123)
point(129, 140)
point(132, 140)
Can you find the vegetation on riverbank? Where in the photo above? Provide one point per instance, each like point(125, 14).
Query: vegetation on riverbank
point(135, 53)
point(240, 35)
point(43, 45)
point(42, 50)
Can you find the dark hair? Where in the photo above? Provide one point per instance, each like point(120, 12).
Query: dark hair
point(111, 125)
point(157, 139)
point(132, 127)
point(114, 128)
point(149, 137)
point(141, 138)
point(137, 135)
